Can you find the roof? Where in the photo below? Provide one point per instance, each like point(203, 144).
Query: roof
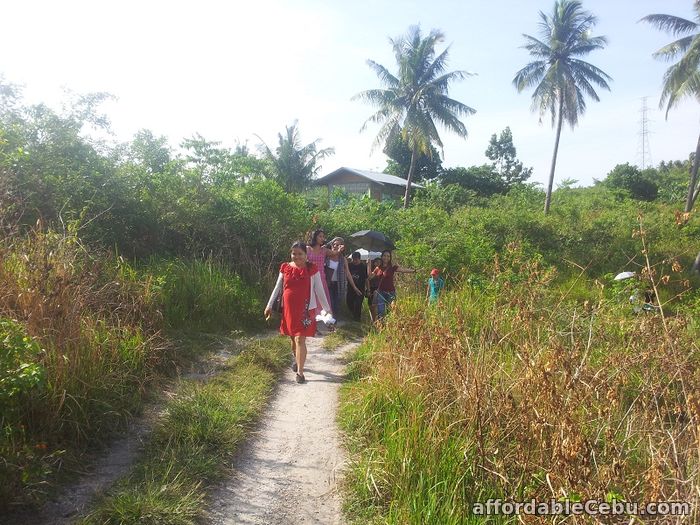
point(380, 178)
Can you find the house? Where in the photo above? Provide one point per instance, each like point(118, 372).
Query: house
point(379, 186)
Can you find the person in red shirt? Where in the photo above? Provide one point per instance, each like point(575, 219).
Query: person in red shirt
point(384, 277)
point(300, 283)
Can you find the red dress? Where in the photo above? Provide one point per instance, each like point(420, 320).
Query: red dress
point(297, 319)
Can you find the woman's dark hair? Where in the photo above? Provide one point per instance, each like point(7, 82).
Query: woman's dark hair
point(390, 258)
point(299, 244)
point(313, 238)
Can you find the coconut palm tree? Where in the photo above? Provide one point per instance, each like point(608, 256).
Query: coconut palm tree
point(682, 79)
point(561, 79)
point(295, 164)
point(415, 98)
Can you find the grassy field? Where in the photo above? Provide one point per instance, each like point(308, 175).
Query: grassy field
point(84, 337)
point(526, 387)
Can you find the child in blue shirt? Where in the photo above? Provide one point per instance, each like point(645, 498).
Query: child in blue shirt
point(435, 286)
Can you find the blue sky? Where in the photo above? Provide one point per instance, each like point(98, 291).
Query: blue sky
point(234, 70)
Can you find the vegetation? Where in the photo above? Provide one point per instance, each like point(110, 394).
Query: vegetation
point(416, 98)
point(532, 378)
point(192, 446)
point(682, 79)
point(562, 79)
point(296, 165)
point(526, 385)
point(503, 154)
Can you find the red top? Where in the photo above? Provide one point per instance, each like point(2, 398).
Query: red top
point(385, 278)
point(297, 318)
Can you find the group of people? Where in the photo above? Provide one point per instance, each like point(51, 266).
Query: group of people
point(319, 276)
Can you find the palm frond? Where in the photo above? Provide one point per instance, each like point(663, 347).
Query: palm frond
point(529, 75)
point(583, 47)
point(672, 50)
point(447, 119)
point(441, 83)
point(376, 97)
point(420, 131)
point(385, 77)
point(675, 25)
point(448, 104)
point(437, 67)
point(380, 116)
point(590, 72)
point(391, 127)
point(679, 83)
point(544, 98)
point(536, 47)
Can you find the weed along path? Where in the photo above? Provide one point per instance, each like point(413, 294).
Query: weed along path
point(288, 472)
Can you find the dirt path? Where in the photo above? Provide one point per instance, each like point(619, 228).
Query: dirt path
point(289, 471)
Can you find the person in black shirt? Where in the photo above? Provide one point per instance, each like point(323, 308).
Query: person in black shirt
point(358, 272)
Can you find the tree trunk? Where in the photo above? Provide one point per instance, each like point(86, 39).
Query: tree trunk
point(692, 193)
point(411, 169)
point(560, 119)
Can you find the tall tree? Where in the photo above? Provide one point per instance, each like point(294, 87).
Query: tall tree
point(427, 167)
point(682, 79)
point(562, 80)
point(295, 164)
point(416, 97)
point(503, 154)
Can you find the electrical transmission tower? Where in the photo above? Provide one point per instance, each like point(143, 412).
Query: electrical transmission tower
point(644, 149)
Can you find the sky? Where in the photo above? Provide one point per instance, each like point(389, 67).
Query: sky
point(238, 70)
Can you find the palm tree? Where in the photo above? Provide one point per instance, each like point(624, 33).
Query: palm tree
point(415, 98)
point(682, 79)
point(562, 79)
point(295, 164)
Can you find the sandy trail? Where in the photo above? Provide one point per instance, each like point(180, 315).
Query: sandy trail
point(288, 472)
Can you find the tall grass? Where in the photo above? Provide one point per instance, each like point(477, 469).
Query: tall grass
point(203, 295)
point(522, 390)
point(98, 335)
point(98, 325)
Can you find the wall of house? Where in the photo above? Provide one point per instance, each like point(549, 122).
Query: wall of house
point(376, 191)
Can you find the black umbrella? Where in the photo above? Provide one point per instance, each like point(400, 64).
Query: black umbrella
point(372, 241)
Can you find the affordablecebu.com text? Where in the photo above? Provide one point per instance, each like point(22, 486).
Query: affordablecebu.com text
point(555, 507)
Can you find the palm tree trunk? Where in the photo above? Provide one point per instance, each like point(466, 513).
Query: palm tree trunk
point(560, 119)
point(692, 193)
point(411, 169)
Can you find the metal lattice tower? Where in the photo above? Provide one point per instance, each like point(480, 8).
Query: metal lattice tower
point(644, 150)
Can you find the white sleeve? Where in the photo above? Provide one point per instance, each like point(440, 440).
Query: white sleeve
point(276, 291)
point(320, 292)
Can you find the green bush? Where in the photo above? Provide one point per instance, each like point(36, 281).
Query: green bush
point(19, 371)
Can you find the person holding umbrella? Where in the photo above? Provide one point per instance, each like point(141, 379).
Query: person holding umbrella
point(386, 290)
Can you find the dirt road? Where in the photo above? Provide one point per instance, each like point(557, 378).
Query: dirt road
point(289, 470)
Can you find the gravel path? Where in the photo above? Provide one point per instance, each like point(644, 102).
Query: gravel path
point(289, 470)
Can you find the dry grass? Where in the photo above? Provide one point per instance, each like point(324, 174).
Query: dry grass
point(516, 392)
point(98, 331)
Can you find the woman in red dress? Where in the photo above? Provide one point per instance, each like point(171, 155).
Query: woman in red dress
point(300, 283)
